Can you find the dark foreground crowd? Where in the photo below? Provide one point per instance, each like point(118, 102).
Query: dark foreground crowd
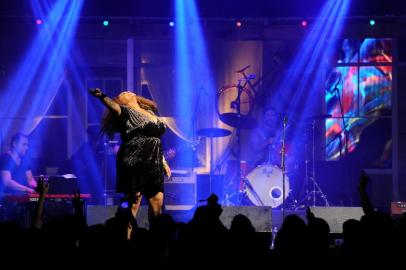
point(203, 241)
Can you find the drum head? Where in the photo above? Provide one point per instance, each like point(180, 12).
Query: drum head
point(264, 186)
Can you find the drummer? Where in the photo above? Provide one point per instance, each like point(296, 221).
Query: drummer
point(265, 139)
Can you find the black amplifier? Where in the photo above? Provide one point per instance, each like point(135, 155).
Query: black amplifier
point(180, 190)
point(61, 184)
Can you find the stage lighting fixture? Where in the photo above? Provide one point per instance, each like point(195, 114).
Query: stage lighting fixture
point(303, 23)
point(171, 23)
point(106, 23)
point(38, 21)
point(372, 22)
point(238, 23)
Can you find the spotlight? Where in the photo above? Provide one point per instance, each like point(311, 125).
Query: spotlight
point(303, 23)
point(106, 23)
point(38, 21)
point(238, 23)
point(171, 23)
point(372, 22)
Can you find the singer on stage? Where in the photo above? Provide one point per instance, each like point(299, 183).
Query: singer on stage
point(140, 163)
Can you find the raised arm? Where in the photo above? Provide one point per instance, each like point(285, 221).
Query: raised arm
point(365, 201)
point(108, 102)
point(43, 188)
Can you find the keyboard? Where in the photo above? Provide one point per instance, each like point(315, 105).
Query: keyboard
point(35, 197)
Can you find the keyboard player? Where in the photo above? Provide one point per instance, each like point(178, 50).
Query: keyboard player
point(15, 168)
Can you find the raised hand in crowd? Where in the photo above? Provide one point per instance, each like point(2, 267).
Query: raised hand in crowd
point(42, 189)
point(363, 182)
point(365, 202)
point(78, 203)
point(309, 214)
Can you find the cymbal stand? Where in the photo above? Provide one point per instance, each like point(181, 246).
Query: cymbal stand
point(311, 183)
point(211, 164)
point(192, 132)
point(313, 178)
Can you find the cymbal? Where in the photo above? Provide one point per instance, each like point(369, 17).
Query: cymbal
point(213, 132)
point(238, 120)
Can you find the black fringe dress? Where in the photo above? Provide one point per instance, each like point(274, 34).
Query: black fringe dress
point(140, 159)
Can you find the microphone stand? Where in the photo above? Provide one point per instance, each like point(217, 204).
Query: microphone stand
point(344, 157)
point(285, 119)
point(244, 181)
point(335, 89)
point(193, 127)
point(237, 102)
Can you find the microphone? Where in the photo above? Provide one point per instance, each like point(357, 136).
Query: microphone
point(92, 90)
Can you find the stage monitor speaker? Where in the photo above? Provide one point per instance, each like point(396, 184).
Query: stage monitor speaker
point(99, 214)
point(336, 216)
point(260, 216)
point(180, 191)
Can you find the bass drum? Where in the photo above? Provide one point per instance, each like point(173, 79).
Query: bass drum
point(264, 186)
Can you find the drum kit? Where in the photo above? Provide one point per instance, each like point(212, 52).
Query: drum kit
point(262, 186)
point(266, 184)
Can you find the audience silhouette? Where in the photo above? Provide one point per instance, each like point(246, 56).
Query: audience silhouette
point(205, 239)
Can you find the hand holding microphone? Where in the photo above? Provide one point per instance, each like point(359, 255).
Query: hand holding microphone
point(96, 92)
